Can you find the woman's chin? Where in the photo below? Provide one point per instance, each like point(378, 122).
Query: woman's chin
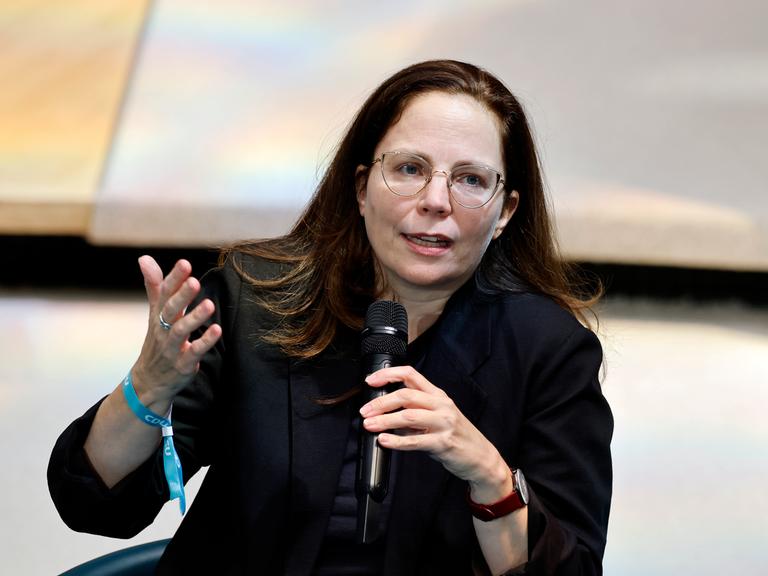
point(432, 280)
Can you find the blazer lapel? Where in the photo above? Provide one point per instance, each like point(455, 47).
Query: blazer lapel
point(461, 344)
point(319, 435)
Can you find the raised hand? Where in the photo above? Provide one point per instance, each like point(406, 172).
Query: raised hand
point(169, 359)
point(119, 442)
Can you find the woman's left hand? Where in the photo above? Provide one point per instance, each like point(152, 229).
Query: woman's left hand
point(431, 422)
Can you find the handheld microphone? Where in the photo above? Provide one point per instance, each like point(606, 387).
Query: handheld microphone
point(383, 343)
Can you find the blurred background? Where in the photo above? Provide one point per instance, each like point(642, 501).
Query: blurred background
point(170, 127)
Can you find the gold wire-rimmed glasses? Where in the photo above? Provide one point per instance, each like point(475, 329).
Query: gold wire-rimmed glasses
point(407, 174)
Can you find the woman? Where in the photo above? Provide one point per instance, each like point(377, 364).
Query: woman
point(434, 199)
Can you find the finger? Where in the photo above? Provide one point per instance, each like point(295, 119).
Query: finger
point(405, 374)
point(153, 278)
point(176, 277)
point(402, 398)
point(190, 361)
point(416, 419)
point(183, 327)
point(209, 338)
point(192, 320)
point(421, 442)
point(174, 306)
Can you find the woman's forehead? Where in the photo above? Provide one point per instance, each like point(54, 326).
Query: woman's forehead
point(443, 124)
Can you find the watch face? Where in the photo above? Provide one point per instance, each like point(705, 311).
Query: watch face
point(522, 485)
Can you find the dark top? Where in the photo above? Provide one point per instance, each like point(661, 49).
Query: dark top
point(340, 553)
point(520, 368)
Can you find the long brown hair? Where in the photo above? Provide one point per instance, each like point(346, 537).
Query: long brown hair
point(328, 270)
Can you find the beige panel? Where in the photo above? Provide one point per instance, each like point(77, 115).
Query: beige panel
point(610, 223)
point(63, 70)
point(45, 217)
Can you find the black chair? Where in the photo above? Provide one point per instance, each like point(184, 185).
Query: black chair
point(138, 560)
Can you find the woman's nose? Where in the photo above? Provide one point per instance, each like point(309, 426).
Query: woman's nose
point(436, 196)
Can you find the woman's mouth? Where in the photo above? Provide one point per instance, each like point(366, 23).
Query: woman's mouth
point(431, 241)
point(428, 241)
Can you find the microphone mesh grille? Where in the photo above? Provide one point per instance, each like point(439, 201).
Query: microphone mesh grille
point(385, 313)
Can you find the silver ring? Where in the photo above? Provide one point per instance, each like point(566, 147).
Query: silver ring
point(163, 324)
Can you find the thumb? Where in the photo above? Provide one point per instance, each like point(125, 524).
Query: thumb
point(153, 278)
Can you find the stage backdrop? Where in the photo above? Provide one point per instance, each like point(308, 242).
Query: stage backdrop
point(200, 122)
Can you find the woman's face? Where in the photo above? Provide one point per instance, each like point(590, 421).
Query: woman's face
point(447, 130)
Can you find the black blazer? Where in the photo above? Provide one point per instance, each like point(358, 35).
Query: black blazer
point(524, 371)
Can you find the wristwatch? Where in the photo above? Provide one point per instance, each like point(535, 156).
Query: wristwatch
point(516, 500)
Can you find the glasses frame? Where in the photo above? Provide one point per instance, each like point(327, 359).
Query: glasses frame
point(448, 177)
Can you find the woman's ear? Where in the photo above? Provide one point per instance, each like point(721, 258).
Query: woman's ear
point(361, 183)
point(510, 205)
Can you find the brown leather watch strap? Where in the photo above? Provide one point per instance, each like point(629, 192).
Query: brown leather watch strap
point(505, 506)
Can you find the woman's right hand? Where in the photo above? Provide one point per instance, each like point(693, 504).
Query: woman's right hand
point(119, 442)
point(169, 359)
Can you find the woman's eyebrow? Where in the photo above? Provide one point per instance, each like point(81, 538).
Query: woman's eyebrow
point(426, 156)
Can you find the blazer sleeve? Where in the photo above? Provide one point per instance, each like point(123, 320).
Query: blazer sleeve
point(80, 496)
point(565, 453)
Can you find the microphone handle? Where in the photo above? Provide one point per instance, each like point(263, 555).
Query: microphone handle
point(373, 471)
point(373, 463)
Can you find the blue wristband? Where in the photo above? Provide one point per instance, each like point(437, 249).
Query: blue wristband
point(171, 462)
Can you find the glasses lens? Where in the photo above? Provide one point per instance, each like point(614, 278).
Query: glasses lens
point(405, 174)
point(473, 186)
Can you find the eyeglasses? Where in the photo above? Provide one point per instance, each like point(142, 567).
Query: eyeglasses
point(407, 174)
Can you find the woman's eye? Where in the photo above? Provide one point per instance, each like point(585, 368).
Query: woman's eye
point(410, 169)
point(472, 180)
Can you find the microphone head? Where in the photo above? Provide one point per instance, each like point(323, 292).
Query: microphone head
point(386, 329)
